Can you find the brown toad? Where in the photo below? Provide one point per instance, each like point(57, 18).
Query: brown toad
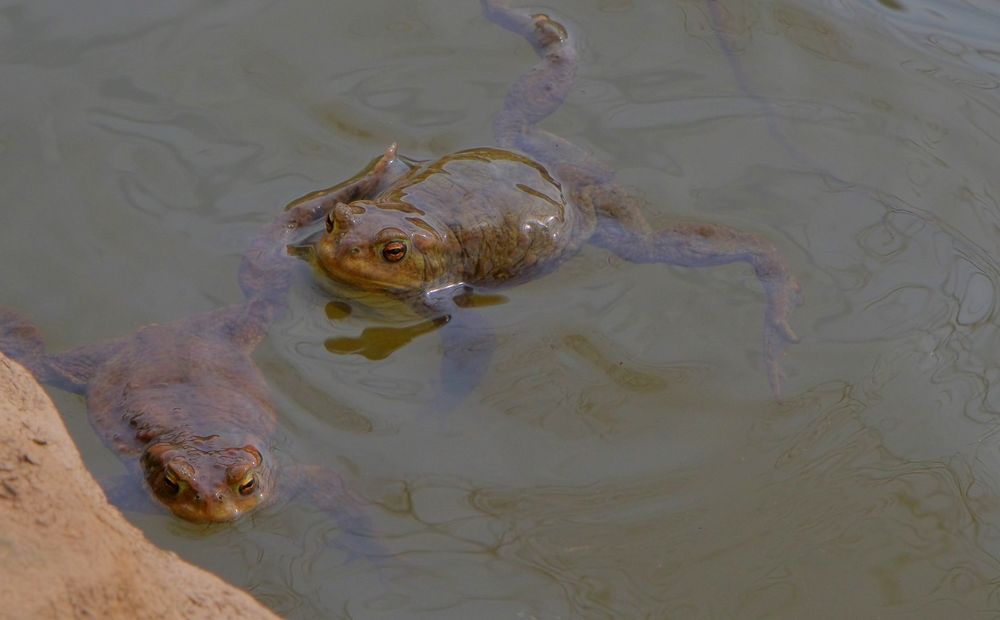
point(423, 231)
point(184, 407)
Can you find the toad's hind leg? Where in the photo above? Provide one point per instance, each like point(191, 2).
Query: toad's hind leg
point(539, 92)
point(624, 230)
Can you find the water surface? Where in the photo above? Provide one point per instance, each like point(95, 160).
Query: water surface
point(621, 456)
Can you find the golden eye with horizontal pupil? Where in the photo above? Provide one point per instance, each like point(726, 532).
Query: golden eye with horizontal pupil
point(172, 486)
point(394, 251)
point(248, 485)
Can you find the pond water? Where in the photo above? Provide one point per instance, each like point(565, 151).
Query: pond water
point(620, 455)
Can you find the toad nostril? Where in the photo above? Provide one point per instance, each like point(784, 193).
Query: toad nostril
point(219, 496)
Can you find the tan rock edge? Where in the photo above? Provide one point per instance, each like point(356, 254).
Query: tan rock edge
point(64, 551)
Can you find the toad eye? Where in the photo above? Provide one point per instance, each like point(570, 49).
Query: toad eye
point(171, 485)
point(248, 485)
point(394, 251)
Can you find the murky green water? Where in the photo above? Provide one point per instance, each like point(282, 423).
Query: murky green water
point(621, 457)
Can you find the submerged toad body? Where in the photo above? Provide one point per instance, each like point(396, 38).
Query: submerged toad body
point(185, 407)
point(493, 216)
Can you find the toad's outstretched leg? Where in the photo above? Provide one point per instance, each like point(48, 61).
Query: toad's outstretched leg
point(623, 230)
point(539, 92)
point(321, 487)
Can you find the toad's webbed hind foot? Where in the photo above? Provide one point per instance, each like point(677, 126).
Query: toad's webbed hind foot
point(547, 32)
point(539, 29)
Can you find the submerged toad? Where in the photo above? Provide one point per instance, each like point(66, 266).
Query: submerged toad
point(184, 406)
point(486, 217)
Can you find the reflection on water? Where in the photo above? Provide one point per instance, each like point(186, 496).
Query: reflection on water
point(378, 343)
point(617, 453)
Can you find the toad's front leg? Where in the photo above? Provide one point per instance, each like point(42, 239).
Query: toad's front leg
point(467, 342)
point(325, 489)
point(265, 272)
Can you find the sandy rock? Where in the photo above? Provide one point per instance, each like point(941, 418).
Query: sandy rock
point(64, 551)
